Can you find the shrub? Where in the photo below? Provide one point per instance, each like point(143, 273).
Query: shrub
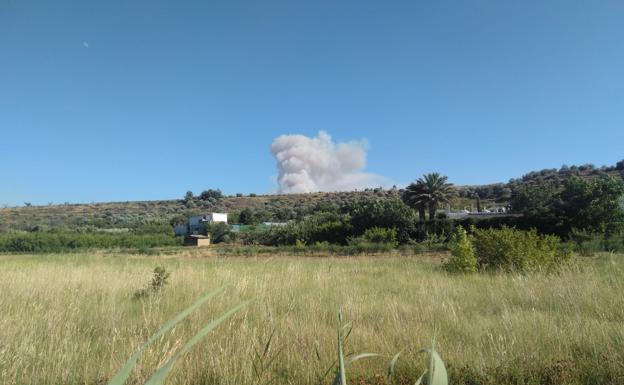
point(587, 243)
point(509, 250)
point(381, 235)
point(388, 213)
point(434, 241)
point(326, 227)
point(374, 240)
point(159, 280)
point(219, 232)
point(463, 256)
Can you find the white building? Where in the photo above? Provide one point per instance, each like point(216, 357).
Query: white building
point(197, 223)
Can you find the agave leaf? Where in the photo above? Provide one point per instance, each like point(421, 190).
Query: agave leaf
point(393, 364)
point(159, 377)
point(436, 374)
point(440, 377)
point(122, 375)
point(360, 356)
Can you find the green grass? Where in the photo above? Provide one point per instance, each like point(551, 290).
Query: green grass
point(71, 319)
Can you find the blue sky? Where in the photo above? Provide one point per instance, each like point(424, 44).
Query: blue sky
point(132, 100)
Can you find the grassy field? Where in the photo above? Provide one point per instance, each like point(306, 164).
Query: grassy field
point(71, 319)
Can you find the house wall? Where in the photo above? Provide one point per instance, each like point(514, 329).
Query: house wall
point(218, 217)
point(197, 223)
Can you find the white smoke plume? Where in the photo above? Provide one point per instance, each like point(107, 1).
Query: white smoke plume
point(307, 164)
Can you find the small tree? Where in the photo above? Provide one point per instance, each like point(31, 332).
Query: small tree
point(188, 197)
point(463, 256)
point(247, 217)
point(210, 193)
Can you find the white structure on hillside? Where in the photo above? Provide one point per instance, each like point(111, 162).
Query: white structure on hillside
point(197, 223)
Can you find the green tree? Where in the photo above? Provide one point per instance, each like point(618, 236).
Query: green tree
point(210, 193)
point(414, 197)
point(534, 200)
point(592, 205)
point(431, 190)
point(247, 217)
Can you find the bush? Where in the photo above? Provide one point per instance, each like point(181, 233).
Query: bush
point(463, 256)
point(325, 227)
point(160, 278)
point(219, 232)
point(388, 213)
point(374, 240)
point(381, 235)
point(510, 250)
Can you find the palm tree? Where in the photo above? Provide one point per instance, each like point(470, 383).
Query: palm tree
point(431, 190)
point(414, 197)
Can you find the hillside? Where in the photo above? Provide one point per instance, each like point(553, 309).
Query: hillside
point(133, 214)
point(264, 207)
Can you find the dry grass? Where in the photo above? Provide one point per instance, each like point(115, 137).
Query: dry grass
point(70, 319)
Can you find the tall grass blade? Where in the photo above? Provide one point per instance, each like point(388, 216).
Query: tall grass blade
point(122, 375)
point(341, 361)
point(159, 377)
point(268, 343)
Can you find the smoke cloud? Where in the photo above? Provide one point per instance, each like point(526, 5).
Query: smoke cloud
point(307, 164)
